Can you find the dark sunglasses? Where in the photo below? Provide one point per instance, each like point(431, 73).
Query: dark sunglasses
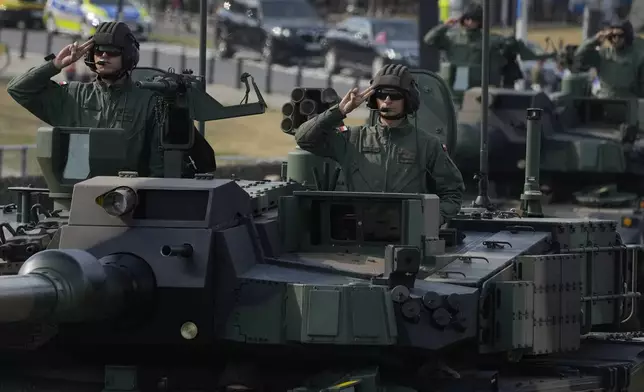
point(108, 53)
point(394, 96)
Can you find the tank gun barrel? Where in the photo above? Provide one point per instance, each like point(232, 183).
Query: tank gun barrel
point(72, 286)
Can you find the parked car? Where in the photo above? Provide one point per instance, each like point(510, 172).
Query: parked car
point(81, 17)
point(15, 12)
point(366, 44)
point(280, 30)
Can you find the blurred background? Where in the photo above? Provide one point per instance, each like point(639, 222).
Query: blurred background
point(281, 43)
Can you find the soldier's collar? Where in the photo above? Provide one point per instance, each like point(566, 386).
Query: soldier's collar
point(123, 84)
point(402, 129)
point(472, 32)
point(624, 49)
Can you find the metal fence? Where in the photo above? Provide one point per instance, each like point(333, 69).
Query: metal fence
point(18, 160)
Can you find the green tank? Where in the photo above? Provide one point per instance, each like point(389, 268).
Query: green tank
point(590, 146)
point(203, 283)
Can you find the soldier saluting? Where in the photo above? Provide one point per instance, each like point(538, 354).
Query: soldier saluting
point(391, 156)
point(110, 101)
point(619, 65)
point(462, 47)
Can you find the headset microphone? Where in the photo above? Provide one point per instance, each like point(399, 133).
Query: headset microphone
point(382, 110)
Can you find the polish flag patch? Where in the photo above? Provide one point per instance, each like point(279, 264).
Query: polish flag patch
point(343, 128)
point(62, 83)
point(444, 147)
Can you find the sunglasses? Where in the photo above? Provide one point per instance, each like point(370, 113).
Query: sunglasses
point(108, 53)
point(394, 96)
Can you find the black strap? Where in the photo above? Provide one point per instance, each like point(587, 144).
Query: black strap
point(50, 56)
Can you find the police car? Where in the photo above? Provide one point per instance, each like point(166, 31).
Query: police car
point(15, 12)
point(81, 17)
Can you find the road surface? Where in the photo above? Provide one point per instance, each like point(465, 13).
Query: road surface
point(283, 78)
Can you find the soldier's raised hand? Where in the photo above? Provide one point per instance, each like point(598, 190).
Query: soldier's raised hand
point(602, 34)
point(353, 99)
point(71, 53)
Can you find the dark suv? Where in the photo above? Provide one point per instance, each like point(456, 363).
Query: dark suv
point(281, 30)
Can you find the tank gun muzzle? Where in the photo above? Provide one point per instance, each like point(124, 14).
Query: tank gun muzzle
point(70, 285)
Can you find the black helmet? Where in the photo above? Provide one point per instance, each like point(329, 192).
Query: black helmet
point(626, 26)
point(473, 11)
point(115, 35)
point(397, 76)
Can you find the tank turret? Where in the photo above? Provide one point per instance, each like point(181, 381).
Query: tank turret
point(160, 284)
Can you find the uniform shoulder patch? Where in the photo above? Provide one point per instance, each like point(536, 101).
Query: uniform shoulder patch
point(444, 147)
point(64, 82)
point(342, 128)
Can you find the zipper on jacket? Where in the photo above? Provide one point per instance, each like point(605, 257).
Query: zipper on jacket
point(388, 150)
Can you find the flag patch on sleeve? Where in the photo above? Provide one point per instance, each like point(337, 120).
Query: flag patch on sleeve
point(444, 147)
point(343, 128)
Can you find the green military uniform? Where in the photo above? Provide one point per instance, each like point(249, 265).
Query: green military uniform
point(620, 71)
point(96, 105)
point(464, 48)
point(99, 104)
point(383, 159)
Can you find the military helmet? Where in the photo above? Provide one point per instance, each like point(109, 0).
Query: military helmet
point(115, 35)
point(624, 25)
point(473, 11)
point(397, 76)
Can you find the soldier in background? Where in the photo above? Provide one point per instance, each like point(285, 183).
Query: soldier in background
point(618, 57)
point(537, 77)
point(463, 48)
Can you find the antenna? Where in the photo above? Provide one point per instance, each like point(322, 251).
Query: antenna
point(119, 11)
point(483, 200)
point(203, 42)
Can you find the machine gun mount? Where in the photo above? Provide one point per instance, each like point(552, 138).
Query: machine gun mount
point(183, 100)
